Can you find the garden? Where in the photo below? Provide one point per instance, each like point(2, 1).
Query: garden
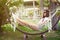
point(30, 11)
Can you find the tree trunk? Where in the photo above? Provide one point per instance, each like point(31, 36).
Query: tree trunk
point(1, 30)
point(55, 18)
point(4, 16)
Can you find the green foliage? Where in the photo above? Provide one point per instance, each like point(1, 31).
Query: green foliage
point(4, 12)
point(3, 6)
point(58, 13)
point(3, 2)
point(4, 9)
point(38, 1)
point(46, 3)
point(7, 27)
point(30, 13)
point(15, 3)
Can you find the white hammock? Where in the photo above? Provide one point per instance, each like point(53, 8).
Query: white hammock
point(14, 15)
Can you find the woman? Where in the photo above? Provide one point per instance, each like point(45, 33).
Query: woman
point(38, 26)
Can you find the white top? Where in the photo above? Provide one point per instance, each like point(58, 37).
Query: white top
point(45, 22)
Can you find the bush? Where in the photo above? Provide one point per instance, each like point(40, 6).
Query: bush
point(46, 3)
point(7, 27)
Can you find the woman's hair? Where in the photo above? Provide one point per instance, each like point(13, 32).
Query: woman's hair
point(47, 13)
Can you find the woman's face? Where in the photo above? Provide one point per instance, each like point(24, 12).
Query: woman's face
point(44, 14)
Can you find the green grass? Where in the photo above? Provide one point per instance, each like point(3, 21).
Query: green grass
point(53, 35)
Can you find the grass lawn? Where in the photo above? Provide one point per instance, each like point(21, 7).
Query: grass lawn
point(53, 35)
point(10, 35)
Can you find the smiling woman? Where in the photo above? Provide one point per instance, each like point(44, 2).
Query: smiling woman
point(38, 26)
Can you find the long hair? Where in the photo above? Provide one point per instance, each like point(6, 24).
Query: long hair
point(47, 13)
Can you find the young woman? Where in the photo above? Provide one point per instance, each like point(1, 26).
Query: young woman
point(38, 26)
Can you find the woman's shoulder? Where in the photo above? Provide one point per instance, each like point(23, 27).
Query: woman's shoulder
point(46, 18)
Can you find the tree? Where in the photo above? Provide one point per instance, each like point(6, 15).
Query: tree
point(53, 6)
point(4, 13)
point(4, 10)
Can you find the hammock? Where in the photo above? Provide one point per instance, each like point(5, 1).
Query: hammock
point(29, 31)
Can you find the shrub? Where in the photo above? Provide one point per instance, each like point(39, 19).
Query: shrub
point(7, 27)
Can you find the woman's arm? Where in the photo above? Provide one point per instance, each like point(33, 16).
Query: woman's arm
point(24, 23)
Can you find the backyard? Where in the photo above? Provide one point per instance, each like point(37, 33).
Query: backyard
point(30, 12)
